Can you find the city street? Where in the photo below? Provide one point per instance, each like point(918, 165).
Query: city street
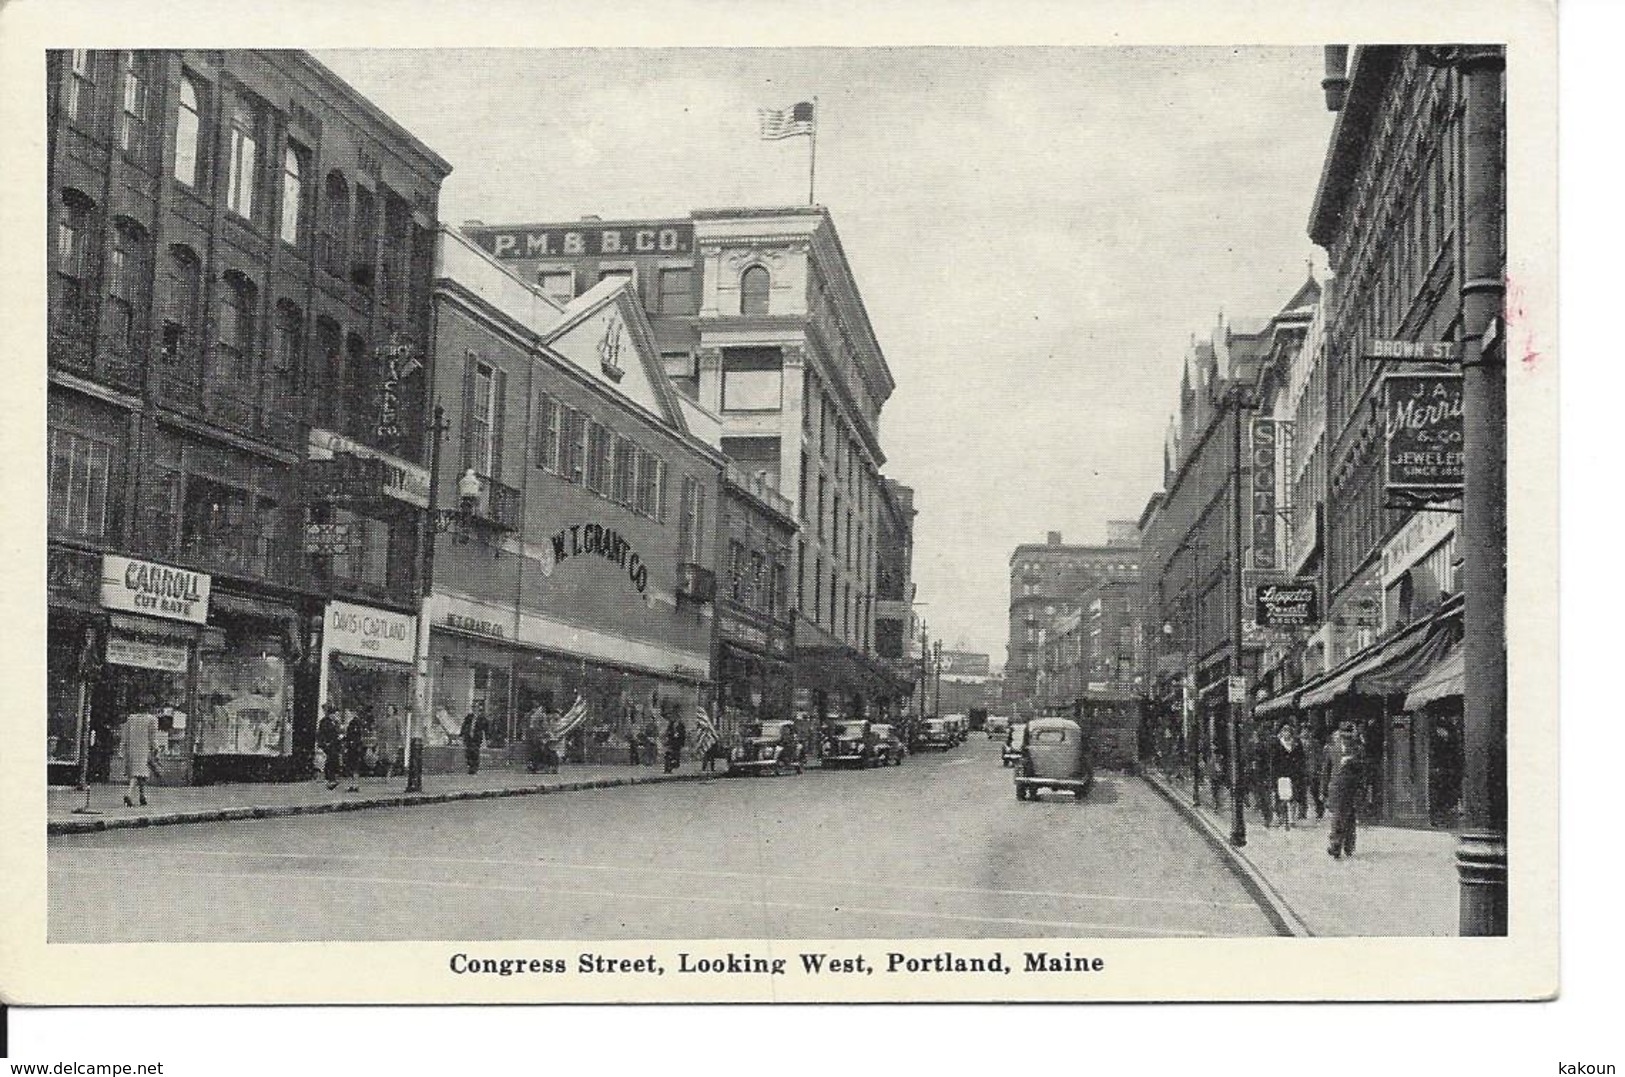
point(938, 847)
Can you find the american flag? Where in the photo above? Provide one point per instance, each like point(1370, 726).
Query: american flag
point(572, 718)
point(787, 122)
point(707, 731)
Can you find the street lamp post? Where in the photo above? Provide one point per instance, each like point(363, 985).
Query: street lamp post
point(1237, 704)
point(936, 696)
point(417, 715)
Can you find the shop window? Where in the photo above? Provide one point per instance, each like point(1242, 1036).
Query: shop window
point(242, 159)
point(188, 133)
point(235, 360)
point(132, 120)
point(754, 286)
point(677, 290)
point(82, 492)
point(245, 692)
point(126, 284)
point(182, 311)
point(294, 160)
point(81, 87)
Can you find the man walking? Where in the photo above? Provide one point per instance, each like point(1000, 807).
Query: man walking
point(676, 734)
point(1340, 773)
point(473, 735)
point(328, 739)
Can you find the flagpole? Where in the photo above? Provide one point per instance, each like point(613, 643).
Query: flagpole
point(812, 157)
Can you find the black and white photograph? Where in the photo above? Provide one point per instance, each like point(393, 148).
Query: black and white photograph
point(550, 521)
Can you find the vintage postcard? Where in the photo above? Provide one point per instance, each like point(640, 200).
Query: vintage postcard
point(894, 508)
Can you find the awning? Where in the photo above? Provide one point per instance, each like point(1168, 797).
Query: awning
point(1279, 704)
point(1368, 667)
point(1396, 676)
point(1442, 681)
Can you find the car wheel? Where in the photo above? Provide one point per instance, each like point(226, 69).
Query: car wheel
point(1021, 793)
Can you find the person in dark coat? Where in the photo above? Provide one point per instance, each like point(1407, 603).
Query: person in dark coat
point(355, 750)
point(1262, 784)
point(1340, 772)
point(1313, 751)
point(1286, 759)
point(329, 739)
point(676, 735)
point(473, 737)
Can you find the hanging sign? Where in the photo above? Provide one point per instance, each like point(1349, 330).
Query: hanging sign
point(146, 654)
point(385, 634)
point(155, 590)
point(1290, 604)
point(402, 479)
point(1423, 419)
point(1264, 447)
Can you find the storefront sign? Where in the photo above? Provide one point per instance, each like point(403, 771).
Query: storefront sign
point(1427, 351)
point(1284, 605)
point(398, 362)
point(1424, 431)
point(155, 590)
point(604, 542)
point(476, 625)
point(146, 654)
point(1264, 448)
point(352, 629)
point(345, 477)
point(403, 480)
point(628, 239)
point(1420, 535)
point(330, 539)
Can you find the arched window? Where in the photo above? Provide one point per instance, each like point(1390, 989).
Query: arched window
point(329, 365)
point(182, 308)
point(236, 338)
point(753, 289)
point(73, 231)
point(287, 343)
point(335, 225)
point(366, 239)
point(293, 194)
point(188, 126)
point(126, 284)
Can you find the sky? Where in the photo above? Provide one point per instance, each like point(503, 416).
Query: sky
point(1036, 232)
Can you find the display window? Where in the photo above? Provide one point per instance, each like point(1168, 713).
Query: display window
point(245, 692)
point(123, 689)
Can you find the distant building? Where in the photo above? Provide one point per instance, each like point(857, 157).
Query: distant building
point(1047, 582)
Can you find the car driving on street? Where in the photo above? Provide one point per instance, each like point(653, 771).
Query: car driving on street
point(1056, 756)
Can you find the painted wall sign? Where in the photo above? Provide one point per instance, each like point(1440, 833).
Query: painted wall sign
point(147, 654)
point(403, 480)
point(1423, 419)
point(352, 629)
point(155, 590)
point(1264, 454)
point(1284, 605)
point(1421, 534)
point(1428, 351)
point(476, 625)
point(612, 240)
point(601, 541)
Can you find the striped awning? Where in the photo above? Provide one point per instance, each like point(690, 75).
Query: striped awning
point(1447, 678)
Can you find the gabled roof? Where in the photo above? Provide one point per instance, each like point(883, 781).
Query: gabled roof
point(617, 292)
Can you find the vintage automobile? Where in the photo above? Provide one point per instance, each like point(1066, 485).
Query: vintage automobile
point(1056, 756)
point(767, 748)
point(889, 748)
point(956, 729)
point(850, 742)
point(997, 726)
point(1015, 739)
point(934, 733)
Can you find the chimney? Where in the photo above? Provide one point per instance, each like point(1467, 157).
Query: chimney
point(1054, 538)
point(1336, 82)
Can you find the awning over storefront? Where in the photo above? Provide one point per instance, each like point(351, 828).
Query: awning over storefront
point(1391, 667)
point(1278, 705)
point(1445, 679)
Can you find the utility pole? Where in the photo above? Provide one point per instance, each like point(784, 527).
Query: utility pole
point(1237, 705)
point(417, 715)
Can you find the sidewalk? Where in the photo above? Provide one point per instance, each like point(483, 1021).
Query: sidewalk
point(266, 800)
point(1401, 881)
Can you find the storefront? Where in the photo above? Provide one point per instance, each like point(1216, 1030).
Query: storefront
point(755, 673)
point(366, 666)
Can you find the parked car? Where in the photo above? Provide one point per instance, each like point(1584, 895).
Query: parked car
point(934, 733)
point(997, 726)
point(956, 729)
point(889, 749)
point(850, 743)
point(768, 748)
point(1015, 739)
point(1055, 756)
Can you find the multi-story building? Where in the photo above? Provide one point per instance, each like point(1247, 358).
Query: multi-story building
point(1389, 209)
point(755, 658)
point(895, 630)
point(757, 315)
point(581, 565)
point(1048, 582)
point(240, 249)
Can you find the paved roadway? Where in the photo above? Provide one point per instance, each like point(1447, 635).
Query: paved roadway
point(936, 848)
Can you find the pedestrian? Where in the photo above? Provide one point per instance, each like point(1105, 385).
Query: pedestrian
point(649, 739)
point(1262, 785)
point(1313, 750)
point(676, 734)
point(328, 739)
point(473, 736)
point(355, 750)
point(391, 738)
point(631, 746)
point(1340, 771)
point(140, 753)
point(1286, 763)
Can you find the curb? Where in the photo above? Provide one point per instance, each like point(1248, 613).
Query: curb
point(394, 800)
point(1269, 899)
